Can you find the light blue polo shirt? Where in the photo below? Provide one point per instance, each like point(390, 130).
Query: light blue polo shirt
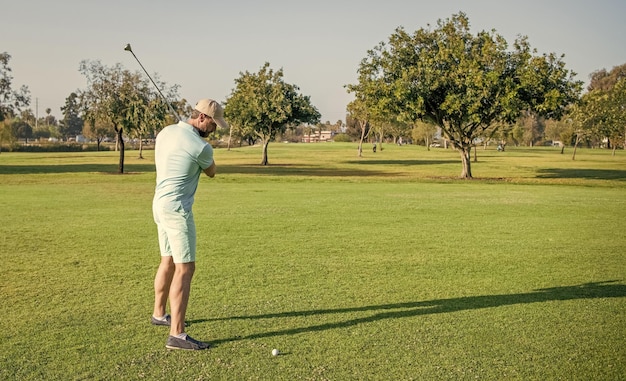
point(181, 155)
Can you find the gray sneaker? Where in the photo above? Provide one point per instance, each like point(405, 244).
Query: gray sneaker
point(188, 343)
point(167, 321)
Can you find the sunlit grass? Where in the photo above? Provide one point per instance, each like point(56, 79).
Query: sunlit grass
point(380, 267)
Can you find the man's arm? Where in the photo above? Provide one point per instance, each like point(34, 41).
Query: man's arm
point(210, 171)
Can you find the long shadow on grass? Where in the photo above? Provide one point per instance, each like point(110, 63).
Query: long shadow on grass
point(298, 170)
point(403, 162)
point(607, 289)
point(573, 173)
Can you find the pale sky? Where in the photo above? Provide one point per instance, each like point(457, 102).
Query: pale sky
point(203, 46)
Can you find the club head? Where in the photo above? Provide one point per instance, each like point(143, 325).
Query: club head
point(128, 48)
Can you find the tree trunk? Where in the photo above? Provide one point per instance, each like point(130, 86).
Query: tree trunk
point(475, 155)
point(140, 147)
point(120, 141)
point(360, 149)
point(265, 144)
point(575, 146)
point(466, 160)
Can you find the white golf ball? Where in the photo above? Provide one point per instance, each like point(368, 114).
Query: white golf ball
point(275, 352)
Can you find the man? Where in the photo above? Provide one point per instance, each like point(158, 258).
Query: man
point(181, 154)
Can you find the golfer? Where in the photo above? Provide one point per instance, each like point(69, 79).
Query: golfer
point(181, 155)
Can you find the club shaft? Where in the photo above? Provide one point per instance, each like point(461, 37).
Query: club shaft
point(157, 87)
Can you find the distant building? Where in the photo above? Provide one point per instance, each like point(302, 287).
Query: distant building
point(314, 137)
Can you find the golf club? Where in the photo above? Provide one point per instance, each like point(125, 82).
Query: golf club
point(128, 48)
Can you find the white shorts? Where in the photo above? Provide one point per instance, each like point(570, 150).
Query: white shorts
point(177, 232)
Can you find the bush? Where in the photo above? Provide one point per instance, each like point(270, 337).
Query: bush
point(342, 138)
point(57, 147)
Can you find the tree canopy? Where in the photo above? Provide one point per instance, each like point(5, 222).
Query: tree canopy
point(461, 82)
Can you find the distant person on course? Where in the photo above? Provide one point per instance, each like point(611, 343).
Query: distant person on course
point(181, 154)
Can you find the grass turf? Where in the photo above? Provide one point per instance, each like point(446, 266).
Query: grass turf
point(381, 267)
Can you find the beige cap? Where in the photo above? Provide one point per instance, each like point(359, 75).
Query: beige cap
point(213, 109)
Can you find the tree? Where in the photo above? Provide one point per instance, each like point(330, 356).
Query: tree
point(72, 123)
point(359, 121)
point(264, 105)
point(463, 83)
point(556, 129)
point(121, 99)
point(607, 100)
point(97, 130)
point(22, 129)
point(102, 102)
point(370, 107)
point(397, 130)
point(11, 101)
point(603, 80)
point(588, 115)
point(424, 131)
point(6, 134)
point(617, 114)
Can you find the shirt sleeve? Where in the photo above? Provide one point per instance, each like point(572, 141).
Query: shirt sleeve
point(205, 159)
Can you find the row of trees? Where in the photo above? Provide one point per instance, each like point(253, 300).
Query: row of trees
point(261, 107)
point(115, 100)
point(473, 88)
point(18, 121)
point(601, 112)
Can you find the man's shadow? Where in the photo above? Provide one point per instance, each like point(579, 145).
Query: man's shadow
point(606, 289)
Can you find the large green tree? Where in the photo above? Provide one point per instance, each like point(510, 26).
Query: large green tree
point(461, 82)
point(122, 99)
point(265, 105)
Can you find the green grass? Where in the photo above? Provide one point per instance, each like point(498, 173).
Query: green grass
point(384, 267)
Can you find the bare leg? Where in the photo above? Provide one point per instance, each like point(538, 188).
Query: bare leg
point(179, 295)
point(162, 282)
